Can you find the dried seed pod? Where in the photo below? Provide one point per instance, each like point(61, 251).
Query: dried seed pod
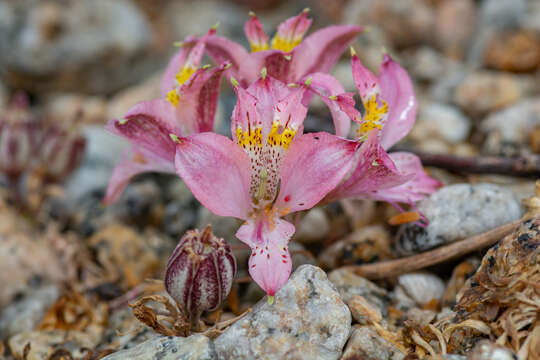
point(200, 273)
point(18, 135)
point(61, 152)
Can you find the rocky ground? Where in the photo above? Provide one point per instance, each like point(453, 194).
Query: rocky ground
point(70, 267)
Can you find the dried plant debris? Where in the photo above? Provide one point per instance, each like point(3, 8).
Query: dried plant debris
point(504, 294)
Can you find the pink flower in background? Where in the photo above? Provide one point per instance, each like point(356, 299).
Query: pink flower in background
point(288, 56)
point(390, 112)
point(187, 105)
point(268, 170)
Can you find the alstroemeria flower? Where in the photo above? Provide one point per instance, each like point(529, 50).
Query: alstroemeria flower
point(268, 170)
point(187, 105)
point(288, 56)
point(390, 111)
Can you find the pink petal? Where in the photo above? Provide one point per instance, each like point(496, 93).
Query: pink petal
point(366, 82)
point(413, 190)
point(277, 64)
point(320, 50)
point(149, 124)
point(314, 164)
point(255, 34)
point(168, 82)
point(270, 262)
point(245, 113)
point(341, 106)
point(289, 111)
point(292, 30)
point(397, 90)
point(133, 163)
point(217, 171)
point(198, 99)
point(374, 171)
point(221, 50)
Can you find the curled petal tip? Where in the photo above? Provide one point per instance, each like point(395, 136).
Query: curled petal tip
point(252, 14)
point(215, 27)
point(178, 44)
point(175, 138)
point(333, 97)
point(207, 66)
point(287, 57)
point(306, 10)
point(270, 300)
point(353, 52)
point(122, 121)
point(308, 81)
point(234, 82)
point(226, 65)
point(264, 72)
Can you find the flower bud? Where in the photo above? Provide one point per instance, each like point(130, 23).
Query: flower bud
point(200, 273)
point(61, 152)
point(18, 136)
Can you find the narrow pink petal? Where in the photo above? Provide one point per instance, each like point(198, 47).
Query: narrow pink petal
point(374, 171)
point(320, 50)
point(134, 162)
point(198, 99)
point(149, 124)
point(341, 104)
point(255, 34)
point(268, 92)
point(168, 81)
point(245, 113)
point(289, 111)
point(277, 64)
point(221, 50)
point(270, 262)
point(217, 171)
point(413, 190)
point(313, 166)
point(397, 90)
point(291, 32)
point(366, 82)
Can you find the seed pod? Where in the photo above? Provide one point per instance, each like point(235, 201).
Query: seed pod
point(18, 135)
point(200, 273)
point(61, 152)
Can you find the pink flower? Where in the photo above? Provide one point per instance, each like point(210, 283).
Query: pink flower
point(187, 105)
point(269, 169)
point(390, 111)
point(287, 57)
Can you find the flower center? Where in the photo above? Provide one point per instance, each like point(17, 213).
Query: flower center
point(376, 112)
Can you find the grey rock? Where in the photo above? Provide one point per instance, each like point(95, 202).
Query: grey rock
point(195, 347)
point(487, 350)
point(308, 320)
point(507, 131)
point(314, 227)
point(456, 212)
point(98, 46)
point(441, 121)
point(365, 343)
point(25, 314)
point(349, 285)
point(422, 287)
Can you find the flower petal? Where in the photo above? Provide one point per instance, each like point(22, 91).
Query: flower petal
point(340, 103)
point(133, 163)
point(289, 111)
point(217, 171)
point(413, 190)
point(291, 32)
point(314, 164)
point(258, 40)
point(245, 113)
point(320, 50)
point(374, 170)
point(177, 62)
point(198, 99)
point(270, 262)
point(397, 90)
point(221, 50)
point(149, 124)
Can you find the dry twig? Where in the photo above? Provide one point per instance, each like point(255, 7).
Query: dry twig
point(390, 268)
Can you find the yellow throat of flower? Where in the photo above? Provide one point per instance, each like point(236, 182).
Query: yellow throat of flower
point(374, 116)
point(285, 45)
point(181, 77)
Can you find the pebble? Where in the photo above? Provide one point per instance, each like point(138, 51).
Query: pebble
point(66, 108)
point(366, 344)
point(507, 131)
point(486, 350)
point(69, 46)
point(482, 92)
point(349, 285)
point(516, 51)
point(194, 347)
point(441, 121)
point(313, 227)
point(26, 313)
point(456, 212)
point(455, 23)
point(422, 287)
point(365, 245)
point(308, 320)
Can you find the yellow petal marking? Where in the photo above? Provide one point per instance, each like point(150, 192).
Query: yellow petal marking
point(173, 97)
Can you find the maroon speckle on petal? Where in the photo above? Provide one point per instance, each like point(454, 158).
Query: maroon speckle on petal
point(287, 198)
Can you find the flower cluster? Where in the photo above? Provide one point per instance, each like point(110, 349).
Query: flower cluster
point(270, 168)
